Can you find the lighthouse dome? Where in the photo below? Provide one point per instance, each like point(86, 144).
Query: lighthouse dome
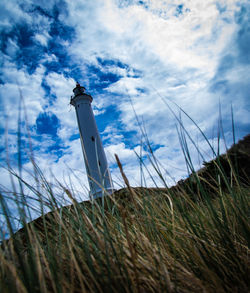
point(79, 90)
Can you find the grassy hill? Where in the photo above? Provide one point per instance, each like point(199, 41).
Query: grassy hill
point(193, 237)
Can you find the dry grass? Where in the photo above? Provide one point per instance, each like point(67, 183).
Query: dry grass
point(137, 240)
point(190, 238)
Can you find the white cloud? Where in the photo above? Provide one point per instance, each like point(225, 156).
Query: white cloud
point(49, 58)
point(18, 82)
point(121, 150)
point(42, 38)
point(62, 87)
point(12, 48)
point(11, 13)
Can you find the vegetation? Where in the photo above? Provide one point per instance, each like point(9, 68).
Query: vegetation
point(193, 237)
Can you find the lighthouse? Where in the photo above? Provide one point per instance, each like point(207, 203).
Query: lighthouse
point(99, 178)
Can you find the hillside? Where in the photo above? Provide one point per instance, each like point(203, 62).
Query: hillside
point(193, 237)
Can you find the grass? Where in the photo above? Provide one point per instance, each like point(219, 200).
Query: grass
point(190, 238)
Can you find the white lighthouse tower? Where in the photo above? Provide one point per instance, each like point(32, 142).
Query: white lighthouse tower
point(99, 178)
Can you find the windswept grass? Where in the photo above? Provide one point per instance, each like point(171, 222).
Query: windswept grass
point(191, 238)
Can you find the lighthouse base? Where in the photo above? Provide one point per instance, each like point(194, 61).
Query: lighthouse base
point(101, 193)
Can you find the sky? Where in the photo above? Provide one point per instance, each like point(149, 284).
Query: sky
point(145, 63)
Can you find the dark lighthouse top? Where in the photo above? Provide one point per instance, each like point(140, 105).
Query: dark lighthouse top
point(79, 91)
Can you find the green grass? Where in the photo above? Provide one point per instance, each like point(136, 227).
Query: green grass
point(191, 238)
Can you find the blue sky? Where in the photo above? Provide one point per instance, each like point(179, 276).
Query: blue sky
point(132, 57)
